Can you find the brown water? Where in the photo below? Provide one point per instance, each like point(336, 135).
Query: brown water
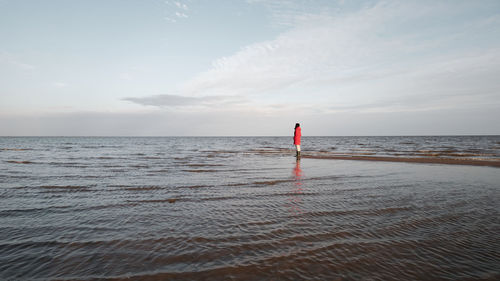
point(222, 209)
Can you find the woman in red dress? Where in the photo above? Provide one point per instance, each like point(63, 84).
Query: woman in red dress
point(296, 138)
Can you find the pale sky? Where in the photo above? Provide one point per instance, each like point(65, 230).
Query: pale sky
point(249, 67)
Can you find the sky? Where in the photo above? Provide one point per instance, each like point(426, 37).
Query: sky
point(249, 67)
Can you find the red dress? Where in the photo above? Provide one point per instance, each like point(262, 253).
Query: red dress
point(296, 136)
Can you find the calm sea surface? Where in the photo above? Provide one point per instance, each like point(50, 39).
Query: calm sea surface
point(244, 209)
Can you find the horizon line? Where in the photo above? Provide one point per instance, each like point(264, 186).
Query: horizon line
point(237, 136)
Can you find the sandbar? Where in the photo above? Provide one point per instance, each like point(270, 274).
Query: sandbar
point(451, 161)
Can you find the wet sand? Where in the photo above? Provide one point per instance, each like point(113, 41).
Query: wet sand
point(450, 161)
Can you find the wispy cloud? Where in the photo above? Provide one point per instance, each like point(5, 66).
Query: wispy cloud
point(176, 10)
point(184, 101)
point(365, 57)
point(181, 5)
point(291, 13)
point(59, 84)
point(12, 60)
point(180, 15)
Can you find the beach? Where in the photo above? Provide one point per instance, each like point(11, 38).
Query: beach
point(243, 208)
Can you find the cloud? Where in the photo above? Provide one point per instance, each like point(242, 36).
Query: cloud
point(286, 13)
point(371, 56)
point(170, 19)
point(59, 84)
point(181, 5)
point(11, 60)
point(324, 47)
point(184, 101)
point(180, 15)
point(176, 10)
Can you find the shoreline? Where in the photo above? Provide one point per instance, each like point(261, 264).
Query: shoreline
point(448, 161)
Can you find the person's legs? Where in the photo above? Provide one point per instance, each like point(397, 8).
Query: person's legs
point(298, 150)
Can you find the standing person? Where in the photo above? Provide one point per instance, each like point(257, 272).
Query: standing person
point(296, 138)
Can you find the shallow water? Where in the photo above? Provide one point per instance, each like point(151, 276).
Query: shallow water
point(243, 208)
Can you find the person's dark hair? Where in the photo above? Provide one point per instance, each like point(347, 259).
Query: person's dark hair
point(297, 125)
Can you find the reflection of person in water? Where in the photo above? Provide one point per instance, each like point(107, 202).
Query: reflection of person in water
point(297, 172)
point(296, 138)
point(296, 200)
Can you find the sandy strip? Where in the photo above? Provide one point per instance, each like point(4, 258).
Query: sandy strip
point(451, 161)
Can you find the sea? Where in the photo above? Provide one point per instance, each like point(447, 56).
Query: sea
point(244, 208)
